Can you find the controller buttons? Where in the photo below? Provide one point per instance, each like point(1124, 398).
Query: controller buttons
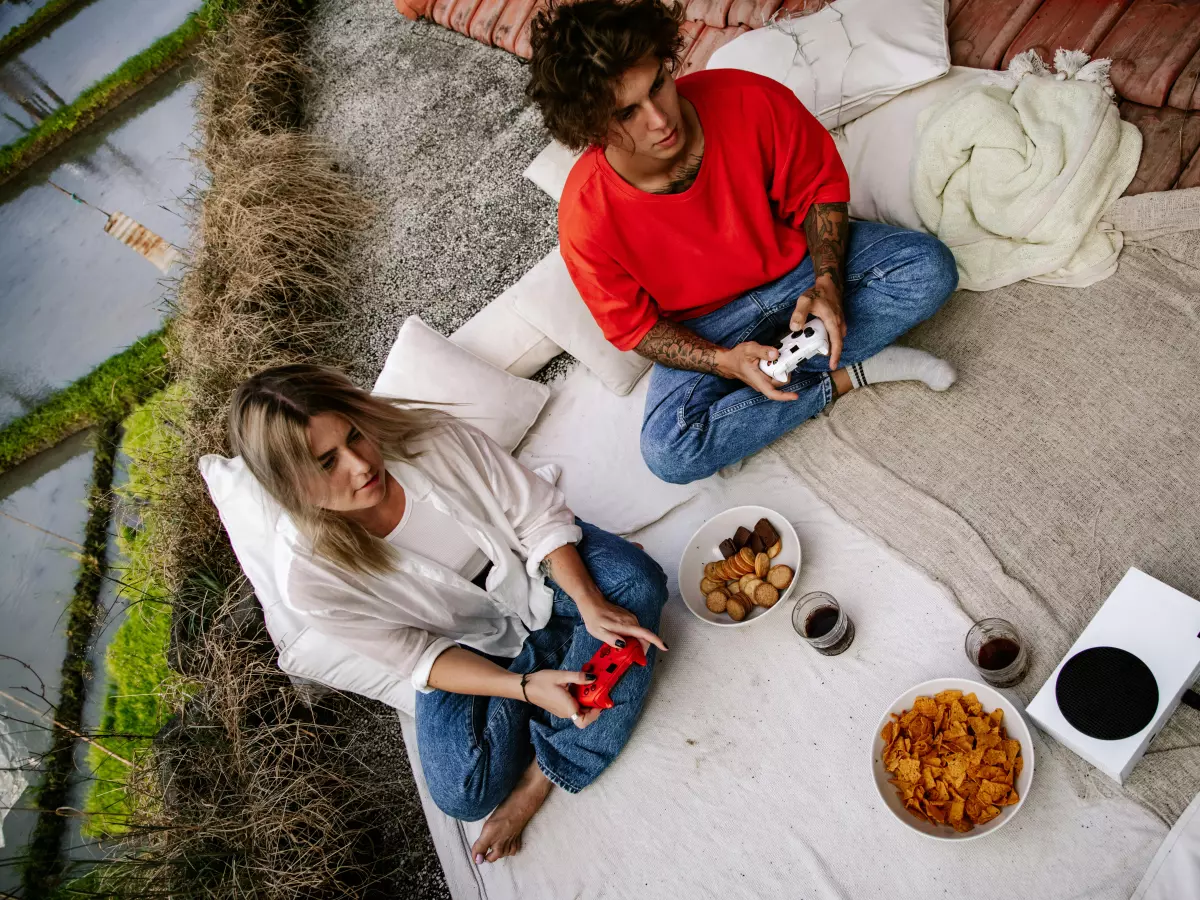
point(808, 332)
point(612, 667)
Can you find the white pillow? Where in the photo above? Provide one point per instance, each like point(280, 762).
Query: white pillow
point(425, 367)
point(848, 58)
point(251, 518)
point(497, 335)
point(550, 168)
point(878, 149)
point(548, 300)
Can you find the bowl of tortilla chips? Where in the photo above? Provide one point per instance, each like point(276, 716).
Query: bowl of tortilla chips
point(952, 759)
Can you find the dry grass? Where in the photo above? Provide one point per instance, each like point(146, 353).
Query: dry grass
point(249, 792)
point(268, 276)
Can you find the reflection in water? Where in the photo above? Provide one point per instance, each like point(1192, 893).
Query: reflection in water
point(71, 295)
point(37, 575)
point(77, 53)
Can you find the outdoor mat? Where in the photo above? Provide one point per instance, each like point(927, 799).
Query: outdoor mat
point(1068, 451)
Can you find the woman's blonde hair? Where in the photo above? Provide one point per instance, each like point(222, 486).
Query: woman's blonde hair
point(268, 427)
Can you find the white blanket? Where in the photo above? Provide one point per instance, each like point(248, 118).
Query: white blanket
point(749, 774)
point(1015, 179)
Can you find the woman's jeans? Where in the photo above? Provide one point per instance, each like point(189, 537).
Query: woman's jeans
point(696, 424)
point(474, 749)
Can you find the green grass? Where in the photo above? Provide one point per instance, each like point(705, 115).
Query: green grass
point(129, 77)
point(107, 393)
point(136, 660)
point(22, 32)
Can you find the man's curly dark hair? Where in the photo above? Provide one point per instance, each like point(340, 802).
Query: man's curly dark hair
point(580, 51)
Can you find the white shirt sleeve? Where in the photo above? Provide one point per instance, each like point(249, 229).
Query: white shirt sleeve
point(404, 649)
point(536, 509)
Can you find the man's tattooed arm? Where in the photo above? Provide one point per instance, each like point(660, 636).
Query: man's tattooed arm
point(673, 345)
point(827, 226)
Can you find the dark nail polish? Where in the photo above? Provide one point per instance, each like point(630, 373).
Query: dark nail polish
point(591, 677)
point(666, 646)
point(620, 644)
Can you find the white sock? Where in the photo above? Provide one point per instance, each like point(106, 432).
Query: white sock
point(903, 364)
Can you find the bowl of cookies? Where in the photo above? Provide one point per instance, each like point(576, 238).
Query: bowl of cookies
point(952, 759)
point(739, 565)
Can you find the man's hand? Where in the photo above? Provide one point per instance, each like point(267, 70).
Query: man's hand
point(741, 362)
point(823, 300)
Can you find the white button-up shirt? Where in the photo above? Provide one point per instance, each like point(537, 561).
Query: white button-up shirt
point(406, 618)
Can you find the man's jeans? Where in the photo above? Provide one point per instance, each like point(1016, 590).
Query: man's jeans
point(474, 749)
point(696, 424)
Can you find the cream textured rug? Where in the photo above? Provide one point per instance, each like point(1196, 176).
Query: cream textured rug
point(1068, 451)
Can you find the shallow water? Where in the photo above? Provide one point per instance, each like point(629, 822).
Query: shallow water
point(37, 576)
point(71, 295)
point(79, 51)
point(14, 12)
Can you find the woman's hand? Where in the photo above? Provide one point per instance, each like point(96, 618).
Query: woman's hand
point(548, 689)
point(612, 624)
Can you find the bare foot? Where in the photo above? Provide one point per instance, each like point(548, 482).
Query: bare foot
point(501, 835)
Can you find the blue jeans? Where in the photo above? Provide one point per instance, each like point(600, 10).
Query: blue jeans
point(696, 424)
point(474, 749)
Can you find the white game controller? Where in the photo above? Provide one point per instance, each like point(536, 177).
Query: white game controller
point(812, 340)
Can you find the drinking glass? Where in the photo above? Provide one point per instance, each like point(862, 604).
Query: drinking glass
point(997, 652)
point(819, 619)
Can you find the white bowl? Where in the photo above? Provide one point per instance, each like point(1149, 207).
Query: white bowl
point(1014, 723)
point(705, 547)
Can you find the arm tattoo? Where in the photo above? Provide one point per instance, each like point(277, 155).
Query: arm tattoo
point(677, 347)
point(685, 177)
point(827, 226)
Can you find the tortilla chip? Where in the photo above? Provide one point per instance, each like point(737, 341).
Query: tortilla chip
point(925, 706)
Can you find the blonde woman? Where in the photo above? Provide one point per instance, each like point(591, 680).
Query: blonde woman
point(423, 545)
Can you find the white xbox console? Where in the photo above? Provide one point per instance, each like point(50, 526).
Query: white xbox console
point(812, 340)
point(1123, 678)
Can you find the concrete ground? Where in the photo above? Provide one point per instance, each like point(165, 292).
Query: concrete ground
point(437, 130)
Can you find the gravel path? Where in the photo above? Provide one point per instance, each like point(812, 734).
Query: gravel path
point(436, 128)
point(437, 131)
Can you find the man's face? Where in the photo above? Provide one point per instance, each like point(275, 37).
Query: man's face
point(648, 121)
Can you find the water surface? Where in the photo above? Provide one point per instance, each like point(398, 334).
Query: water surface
point(71, 295)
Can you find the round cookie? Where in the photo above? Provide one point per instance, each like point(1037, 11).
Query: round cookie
point(716, 601)
point(737, 608)
point(780, 576)
point(762, 565)
point(766, 595)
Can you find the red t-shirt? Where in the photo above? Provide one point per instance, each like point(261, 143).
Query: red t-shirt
point(636, 256)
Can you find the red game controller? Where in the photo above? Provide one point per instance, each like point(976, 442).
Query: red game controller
point(608, 665)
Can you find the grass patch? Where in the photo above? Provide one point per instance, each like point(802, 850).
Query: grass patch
point(24, 32)
point(106, 394)
point(135, 707)
point(107, 93)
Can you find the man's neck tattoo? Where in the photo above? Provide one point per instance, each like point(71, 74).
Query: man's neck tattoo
point(683, 178)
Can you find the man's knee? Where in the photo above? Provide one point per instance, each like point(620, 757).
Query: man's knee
point(931, 274)
point(671, 461)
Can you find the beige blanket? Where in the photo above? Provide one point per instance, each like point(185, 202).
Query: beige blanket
point(1068, 451)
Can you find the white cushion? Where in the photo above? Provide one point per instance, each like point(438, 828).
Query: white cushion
point(422, 366)
point(848, 58)
point(878, 149)
point(251, 517)
point(550, 168)
point(549, 301)
point(496, 334)
point(425, 367)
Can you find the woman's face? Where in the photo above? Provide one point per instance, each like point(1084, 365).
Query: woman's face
point(355, 478)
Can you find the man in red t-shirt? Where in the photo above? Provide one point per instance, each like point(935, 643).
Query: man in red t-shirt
point(705, 219)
